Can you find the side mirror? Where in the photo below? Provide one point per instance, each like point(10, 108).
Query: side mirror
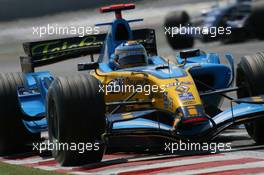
point(87, 66)
point(189, 53)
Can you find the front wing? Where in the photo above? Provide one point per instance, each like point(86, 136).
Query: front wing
point(155, 122)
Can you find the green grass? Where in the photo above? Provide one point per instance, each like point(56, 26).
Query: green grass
point(7, 169)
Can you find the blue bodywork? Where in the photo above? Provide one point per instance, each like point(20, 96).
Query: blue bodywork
point(32, 97)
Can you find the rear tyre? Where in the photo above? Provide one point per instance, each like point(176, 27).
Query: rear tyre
point(177, 19)
point(14, 137)
point(76, 116)
point(250, 73)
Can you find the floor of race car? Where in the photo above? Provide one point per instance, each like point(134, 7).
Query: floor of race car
point(245, 158)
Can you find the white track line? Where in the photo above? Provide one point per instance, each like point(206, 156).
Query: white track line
point(26, 161)
point(169, 164)
point(221, 168)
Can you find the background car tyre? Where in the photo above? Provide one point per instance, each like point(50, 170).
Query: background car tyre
point(256, 19)
point(177, 19)
point(76, 115)
point(250, 73)
point(14, 137)
point(237, 35)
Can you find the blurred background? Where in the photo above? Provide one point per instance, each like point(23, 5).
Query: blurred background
point(17, 19)
point(15, 9)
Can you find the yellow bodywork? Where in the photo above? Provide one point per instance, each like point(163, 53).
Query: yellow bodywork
point(166, 98)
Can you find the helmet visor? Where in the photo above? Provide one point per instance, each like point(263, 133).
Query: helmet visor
point(132, 60)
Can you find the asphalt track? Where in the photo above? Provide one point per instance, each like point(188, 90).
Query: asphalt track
point(245, 158)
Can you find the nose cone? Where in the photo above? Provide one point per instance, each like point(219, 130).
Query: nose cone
point(195, 127)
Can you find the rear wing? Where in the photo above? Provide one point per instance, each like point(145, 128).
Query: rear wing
point(46, 52)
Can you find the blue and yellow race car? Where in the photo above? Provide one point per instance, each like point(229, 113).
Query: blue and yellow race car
point(129, 99)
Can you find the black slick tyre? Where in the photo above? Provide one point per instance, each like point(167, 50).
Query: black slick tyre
point(14, 137)
point(250, 73)
point(76, 116)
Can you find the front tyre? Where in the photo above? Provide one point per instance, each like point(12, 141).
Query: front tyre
point(250, 73)
point(76, 120)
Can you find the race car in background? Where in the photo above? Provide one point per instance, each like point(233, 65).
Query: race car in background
point(230, 21)
point(75, 109)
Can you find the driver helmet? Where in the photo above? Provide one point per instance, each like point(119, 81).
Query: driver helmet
point(130, 54)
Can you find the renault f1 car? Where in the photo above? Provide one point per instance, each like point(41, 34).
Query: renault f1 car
point(229, 22)
point(185, 105)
